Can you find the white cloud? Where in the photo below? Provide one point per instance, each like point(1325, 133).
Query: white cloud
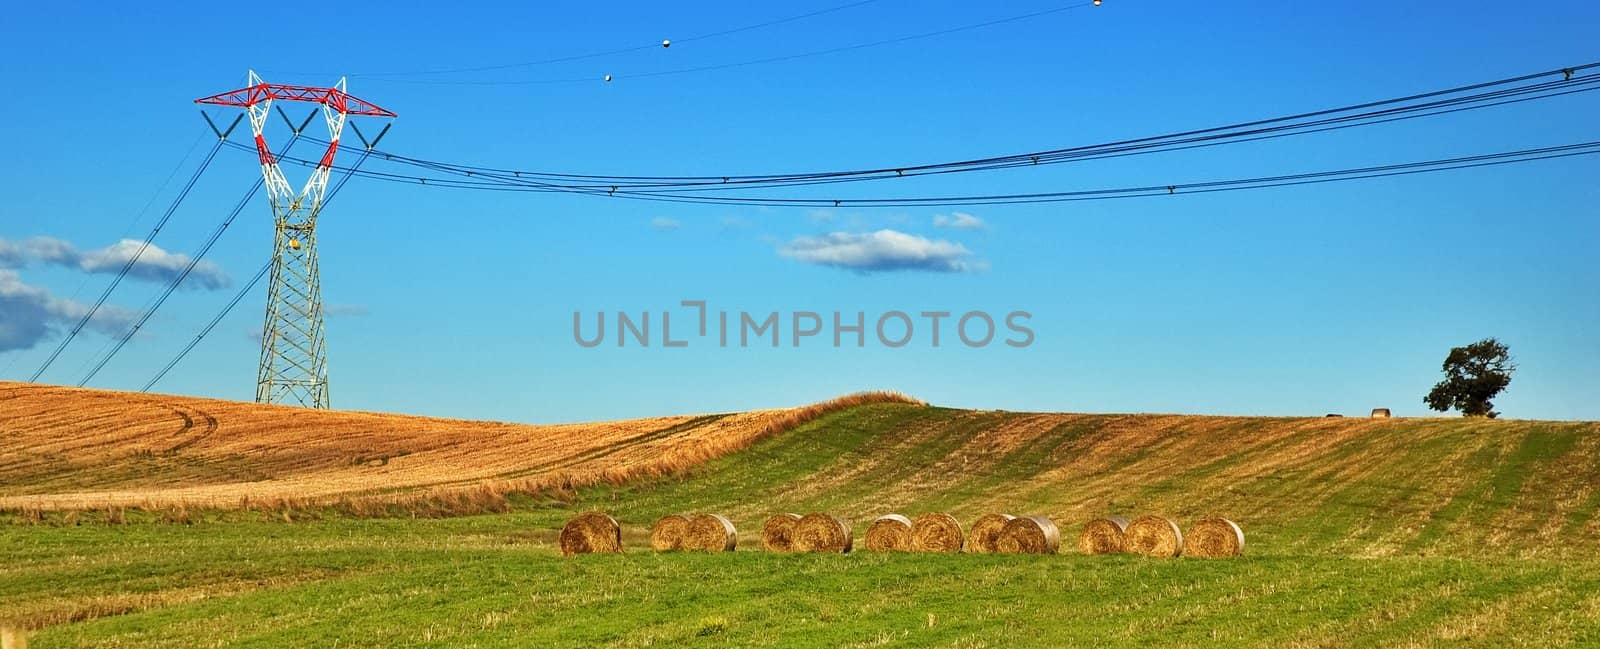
point(153, 264)
point(664, 224)
point(883, 250)
point(29, 314)
point(959, 221)
point(10, 255)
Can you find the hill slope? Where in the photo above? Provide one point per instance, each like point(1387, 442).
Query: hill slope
point(1375, 533)
point(71, 448)
point(1344, 487)
point(1354, 487)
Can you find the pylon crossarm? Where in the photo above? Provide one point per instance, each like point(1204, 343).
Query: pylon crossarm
point(259, 92)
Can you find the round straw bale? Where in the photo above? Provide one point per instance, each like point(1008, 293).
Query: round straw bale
point(985, 531)
point(889, 533)
point(591, 532)
point(1214, 538)
point(777, 533)
point(1104, 536)
point(936, 532)
point(819, 532)
point(667, 533)
point(710, 533)
point(1380, 413)
point(1029, 535)
point(1154, 536)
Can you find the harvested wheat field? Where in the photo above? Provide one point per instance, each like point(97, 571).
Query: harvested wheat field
point(69, 448)
point(1390, 532)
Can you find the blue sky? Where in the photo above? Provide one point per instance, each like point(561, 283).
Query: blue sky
point(1292, 301)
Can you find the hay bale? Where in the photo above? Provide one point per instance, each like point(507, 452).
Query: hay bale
point(985, 532)
point(13, 638)
point(1214, 538)
point(936, 532)
point(1380, 413)
point(591, 532)
point(668, 532)
point(777, 533)
point(710, 533)
point(819, 532)
point(889, 533)
point(1029, 535)
point(1154, 536)
point(1104, 536)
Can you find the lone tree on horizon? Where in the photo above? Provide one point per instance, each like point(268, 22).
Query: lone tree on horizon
point(1472, 376)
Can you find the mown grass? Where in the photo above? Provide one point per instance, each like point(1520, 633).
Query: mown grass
point(1412, 532)
point(483, 582)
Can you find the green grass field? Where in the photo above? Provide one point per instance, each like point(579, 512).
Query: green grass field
point(1360, 533)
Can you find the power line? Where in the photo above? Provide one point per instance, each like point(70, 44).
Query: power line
point(1384, 111)
point(128, 266)
point(1526, 155)
point(160, 189)
point(244, 291)
point(194, 261)
point(212, 325)
point(1374, 112)
point(740, 64)
point(1446, 164)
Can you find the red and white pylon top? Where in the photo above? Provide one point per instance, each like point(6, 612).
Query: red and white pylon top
point(260, 91)
point(296, 209)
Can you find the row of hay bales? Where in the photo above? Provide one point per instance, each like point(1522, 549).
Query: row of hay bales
point(936, 532)
point(1154, 536)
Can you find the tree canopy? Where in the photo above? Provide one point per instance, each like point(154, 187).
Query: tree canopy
point(1472, 376)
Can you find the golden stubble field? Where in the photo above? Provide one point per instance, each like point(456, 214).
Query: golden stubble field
point(71, 448)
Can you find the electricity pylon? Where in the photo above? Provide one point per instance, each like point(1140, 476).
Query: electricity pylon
point(294, 355)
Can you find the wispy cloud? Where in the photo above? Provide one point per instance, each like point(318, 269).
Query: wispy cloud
point(29, 314)
point(883, 250)
point(153, 264)
point(665, 224)
point(959, 221)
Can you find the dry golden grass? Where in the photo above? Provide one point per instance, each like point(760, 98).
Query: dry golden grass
point(71, 448)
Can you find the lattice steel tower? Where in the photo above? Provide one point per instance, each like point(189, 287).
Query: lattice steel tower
point(294, 357)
